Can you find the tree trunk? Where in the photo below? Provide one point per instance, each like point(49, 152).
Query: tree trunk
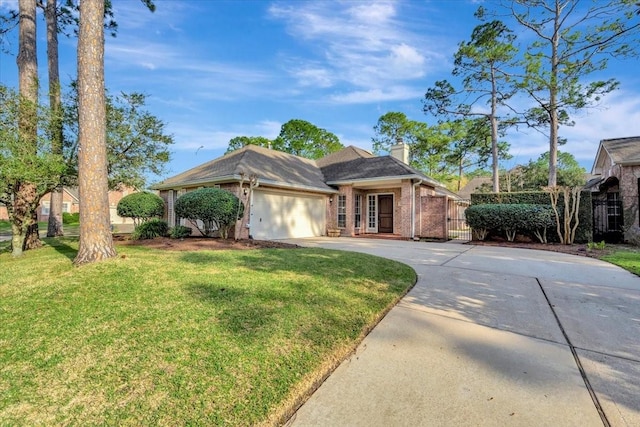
point(495, 177)
point(21, 214)
point(55, 225)
point(96, 241)
point(553, 102)
point(26, 197)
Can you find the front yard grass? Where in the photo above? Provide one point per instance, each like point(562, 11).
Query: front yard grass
point(180, 338)
point(629, 259)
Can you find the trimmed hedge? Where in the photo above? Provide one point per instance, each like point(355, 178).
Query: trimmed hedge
point(584, 233)
point(70, 218)
point(217, 209)
point(141, 207)
point(510, 219)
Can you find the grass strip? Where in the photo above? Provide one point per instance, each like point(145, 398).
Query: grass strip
point(627, 259)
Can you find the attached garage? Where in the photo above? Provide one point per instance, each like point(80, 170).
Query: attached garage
point(279, 215)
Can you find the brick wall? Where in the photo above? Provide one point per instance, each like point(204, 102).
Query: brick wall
point(433, 213)
point(629, 176)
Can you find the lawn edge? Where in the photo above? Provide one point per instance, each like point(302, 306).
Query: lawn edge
point(308, 386)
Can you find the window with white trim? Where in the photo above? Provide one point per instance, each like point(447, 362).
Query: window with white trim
point(342, 211)
point(357, 210)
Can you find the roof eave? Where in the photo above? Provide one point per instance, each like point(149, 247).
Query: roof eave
point(384, 178)
point(238, 178)
point(199, 182)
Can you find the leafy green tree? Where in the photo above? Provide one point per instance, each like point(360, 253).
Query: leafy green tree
point(571, 41)
point(25, 164)
point(243, 141)
point(141, 207)
point(471, 145)
point(534, 175)
point(393, 126)
point(137, 143)
point(428, 146)
point(216, 209)
point(305, 139)
point(430, 150)
point(484, 65)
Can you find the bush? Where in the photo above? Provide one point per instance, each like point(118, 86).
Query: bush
point(510, 219)
point(70, 218)
point(141, 207)
point(584, 233)
point(217, 209)
point(179, 232)
point(150, 230)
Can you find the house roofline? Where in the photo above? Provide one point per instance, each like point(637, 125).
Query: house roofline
point(238, 178)
point(424, 179)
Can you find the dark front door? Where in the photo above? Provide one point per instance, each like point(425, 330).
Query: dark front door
point(385, 214)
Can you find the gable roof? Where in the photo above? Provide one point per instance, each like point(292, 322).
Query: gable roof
point(270, 166)
point(344, 155)
point(289, 171)
point(622, 151)
point(473, 185)
point(361, 165)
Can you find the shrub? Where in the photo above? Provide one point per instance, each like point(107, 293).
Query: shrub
point(179, 232)
point(510, 219)
point(70, 218)
point(141, 207)
point(217, 209)
point(150, 230)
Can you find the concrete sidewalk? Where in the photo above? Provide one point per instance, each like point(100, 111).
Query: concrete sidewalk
point(491, 336)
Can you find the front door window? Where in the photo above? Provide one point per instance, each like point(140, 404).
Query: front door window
point(385, 214)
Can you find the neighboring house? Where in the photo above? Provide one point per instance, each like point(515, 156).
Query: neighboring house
point(475, 185)
point(71, 204)
point(350, 190)
point(616, 189)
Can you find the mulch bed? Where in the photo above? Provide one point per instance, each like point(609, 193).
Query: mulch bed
point(212, 244)
point(202, 243)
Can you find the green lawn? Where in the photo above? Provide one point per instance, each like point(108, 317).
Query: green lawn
point(71, 229)
point(627, 259)
point(180, 338)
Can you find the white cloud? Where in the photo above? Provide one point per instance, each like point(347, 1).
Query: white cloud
point(362, 45)
point(394, 93)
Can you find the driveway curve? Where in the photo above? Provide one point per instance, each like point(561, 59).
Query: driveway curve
point(490, 336)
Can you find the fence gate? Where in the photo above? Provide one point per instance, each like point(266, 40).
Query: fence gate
point(457, 227)
point(607, 219)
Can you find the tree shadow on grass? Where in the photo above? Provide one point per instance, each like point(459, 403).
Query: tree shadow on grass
point(317, 286)
point(62, 246)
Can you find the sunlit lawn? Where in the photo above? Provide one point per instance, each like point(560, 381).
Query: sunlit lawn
point(629, 259)
point(180, 338)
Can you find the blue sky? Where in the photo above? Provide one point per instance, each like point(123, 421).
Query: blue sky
point(215, 69)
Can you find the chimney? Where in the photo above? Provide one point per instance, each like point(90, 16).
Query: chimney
point(400, 151)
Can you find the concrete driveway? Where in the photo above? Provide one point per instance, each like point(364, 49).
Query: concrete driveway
point(491, 336)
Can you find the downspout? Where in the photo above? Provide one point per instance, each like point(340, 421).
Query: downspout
point(251, 187)
point(413, 208)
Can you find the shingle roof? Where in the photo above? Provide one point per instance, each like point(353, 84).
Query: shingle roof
point(344, 155)
point(284, 169)
point(623, 150)
point(270, 166)
point(363, 168)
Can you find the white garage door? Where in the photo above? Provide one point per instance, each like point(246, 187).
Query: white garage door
point(281, 215)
